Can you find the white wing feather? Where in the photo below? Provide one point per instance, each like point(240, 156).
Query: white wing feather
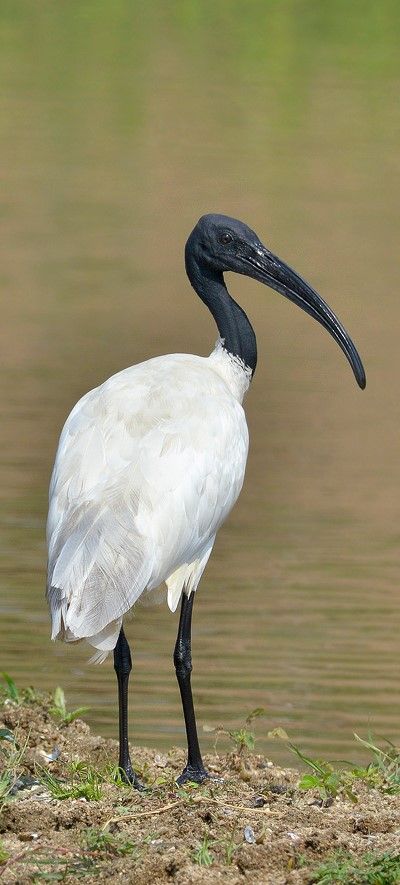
point(148, 467)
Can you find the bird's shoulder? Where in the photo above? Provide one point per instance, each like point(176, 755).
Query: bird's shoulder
point(153, 394)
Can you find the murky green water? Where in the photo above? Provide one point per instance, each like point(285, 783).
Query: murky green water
point(121, 123)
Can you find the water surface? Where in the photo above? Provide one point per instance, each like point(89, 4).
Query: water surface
point(119, 126)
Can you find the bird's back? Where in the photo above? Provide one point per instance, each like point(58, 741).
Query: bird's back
point(148, 467)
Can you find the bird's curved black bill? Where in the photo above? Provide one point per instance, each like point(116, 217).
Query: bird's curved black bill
point(265, 267)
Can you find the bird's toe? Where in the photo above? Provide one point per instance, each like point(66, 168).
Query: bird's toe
point(194, 774)
point(129, 776)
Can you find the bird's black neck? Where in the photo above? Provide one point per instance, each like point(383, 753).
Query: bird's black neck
point(233, 324)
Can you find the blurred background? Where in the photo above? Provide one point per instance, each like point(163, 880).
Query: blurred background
point(120, 123)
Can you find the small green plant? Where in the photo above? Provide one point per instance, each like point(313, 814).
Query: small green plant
point(85, 783)
point(103, 842)
point(324, 778)
point(9, 690)
point(242, 738)
point(3, 853)
point(229, 846)
point(59, 708)
point(370, 869)
point(203, 856)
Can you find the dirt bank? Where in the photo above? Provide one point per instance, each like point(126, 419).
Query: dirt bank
point(63, 816)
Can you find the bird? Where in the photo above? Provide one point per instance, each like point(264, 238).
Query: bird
point(149, 465)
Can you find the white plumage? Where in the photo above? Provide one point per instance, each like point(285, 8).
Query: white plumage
point(148, 466)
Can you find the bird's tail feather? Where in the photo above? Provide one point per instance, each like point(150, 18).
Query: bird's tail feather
point(96, 576)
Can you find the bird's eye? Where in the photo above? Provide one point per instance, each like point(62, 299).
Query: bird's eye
point(225, 237)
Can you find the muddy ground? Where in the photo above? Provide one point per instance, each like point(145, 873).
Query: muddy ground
point(255, 826)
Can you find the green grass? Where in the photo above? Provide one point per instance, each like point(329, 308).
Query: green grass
point(11, 756)
point(105, 843)
point(229, 846)
point(82, 780)
point(381, 773)
point(58, 869)
point(85, 783)
point(202, 855)
point(371, 869)
point(9, 689)
point(205, 857)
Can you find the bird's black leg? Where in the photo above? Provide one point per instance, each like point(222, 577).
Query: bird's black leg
point(123, 667)
point(194, 769)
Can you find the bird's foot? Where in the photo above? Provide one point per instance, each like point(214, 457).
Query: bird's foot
point(129, 776)
point(195, 773)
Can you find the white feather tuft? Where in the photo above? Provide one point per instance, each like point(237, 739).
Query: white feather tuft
point(186, 578)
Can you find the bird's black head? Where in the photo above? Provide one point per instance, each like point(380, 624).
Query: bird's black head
point(219, 243)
